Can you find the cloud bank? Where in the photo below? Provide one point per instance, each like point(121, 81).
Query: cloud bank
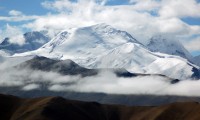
point(104, 82)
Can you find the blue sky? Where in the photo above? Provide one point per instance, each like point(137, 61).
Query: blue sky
point(30, 7)
point(191, 20)
point(26, 6)
point(28, 15)
point(34, 7)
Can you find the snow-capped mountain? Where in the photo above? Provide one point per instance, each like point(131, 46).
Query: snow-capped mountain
point(84, 43)
point(87, 42)
point(102, 46)
point(137, 59)
point(196, 60)
point(163, 44)
point(33, 40)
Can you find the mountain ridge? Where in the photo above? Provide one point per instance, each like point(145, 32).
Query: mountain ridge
point(69, 67)
point(33, 41)
point(93, 46)
point(164, 44)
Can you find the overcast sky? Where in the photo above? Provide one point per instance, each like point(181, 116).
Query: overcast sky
point(141, 18)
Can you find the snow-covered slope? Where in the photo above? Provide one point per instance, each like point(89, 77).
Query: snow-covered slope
point(163, 44)
point(33, 40)
point(196, 60)
point(81, 43)
point(137, 59)
point(128, 55)
point(102, 46)
point(84, 43)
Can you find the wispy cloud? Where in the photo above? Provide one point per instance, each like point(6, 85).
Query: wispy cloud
point(179, 8)
point(14, 33)
point(146, 5)
point(15, 13)
point(193, 45)
point(16, 16)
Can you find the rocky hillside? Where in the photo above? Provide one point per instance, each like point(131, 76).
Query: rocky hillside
point(58, 108)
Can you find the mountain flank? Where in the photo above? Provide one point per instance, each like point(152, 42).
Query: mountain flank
point(58, 108)
point(69, 67)
point(103, 46)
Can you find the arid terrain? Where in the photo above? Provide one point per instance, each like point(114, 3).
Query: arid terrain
point(58, 108)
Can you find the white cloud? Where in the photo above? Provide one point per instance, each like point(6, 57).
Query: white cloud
point(173, 26)
point(16, 16)
point(129, 20)
point(193, 45)
point(31, 87)
point(146, 5)
point(18, 39)
point(179, 8)
point(105, 81)
point(134, 18)
point(110, 84)
point(14, 33)
point(10, 31)
point(15, 13)
point(170, 8)
point(69, 6)
point(60, 5)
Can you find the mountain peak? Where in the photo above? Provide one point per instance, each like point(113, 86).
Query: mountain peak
point(33, 41)
point(103, 27)
point(85, 39)
point(108, 30)
point(164, 44)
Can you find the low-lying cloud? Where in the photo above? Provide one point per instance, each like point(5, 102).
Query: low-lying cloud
point(31, 87)
point(104, 82)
